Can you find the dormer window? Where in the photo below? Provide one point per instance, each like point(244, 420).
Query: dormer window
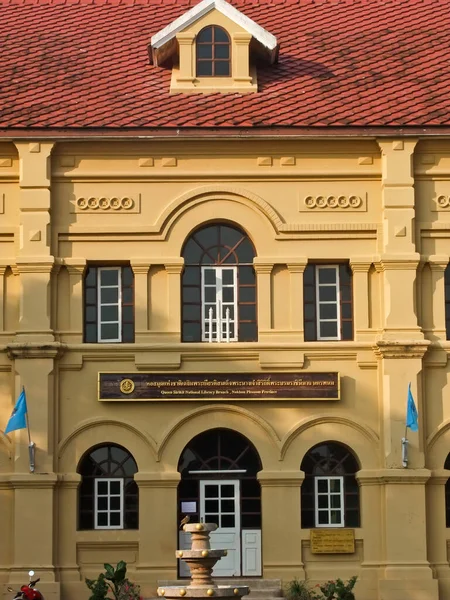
point(213, 47)
point(213, 52)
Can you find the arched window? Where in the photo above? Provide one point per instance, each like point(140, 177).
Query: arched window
point(213, 52)
point(330, 492)
point(447, 494)
point(219, 286)
point(108, 494)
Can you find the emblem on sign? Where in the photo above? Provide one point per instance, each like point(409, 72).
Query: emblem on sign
point(127, 386)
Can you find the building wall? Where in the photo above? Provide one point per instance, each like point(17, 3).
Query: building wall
point(66, 205)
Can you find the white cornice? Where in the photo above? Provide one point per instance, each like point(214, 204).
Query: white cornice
point(265, 38)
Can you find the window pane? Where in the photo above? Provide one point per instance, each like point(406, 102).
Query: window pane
point(127, 296)
point(327, 275)
point(109, 332)
point(114, 519)
point(227, 276)
point(335, 501)
point(212, 506)
point(322, 501)
point(335, 516)
point(204, 68)
point(346, 293)
point(102, 519)
point(222, 68)
point(109, 313)
point(114, 487)
point(102, 487)
point(228, 521)
point(212, 491)
point(205, 35)
point(228, 294)
point(128, 332)
point(347, 330)
point(128, 314)
point(191, 312)
point(310, 332)
point(102, 503)
point(209, 518)
point(322, 485)
point(328, 330)
point(346, 310)
point(109, 295)
point(204, 51)
point(209, 277)
point(247, 312)
point(328, 311)
point(115, 503)
point(91, 277)
point(227, 491)
point(109, 277)
point(327, 293)
point(222, 51)
point(227, 506)
point(210, 294)
point(335, 485)
point(220, 35)
point(323, 517)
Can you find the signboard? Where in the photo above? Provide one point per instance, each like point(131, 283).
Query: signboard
point(332, 541)
point(218, 386)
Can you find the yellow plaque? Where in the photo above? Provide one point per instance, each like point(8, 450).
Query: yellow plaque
point(332, 541)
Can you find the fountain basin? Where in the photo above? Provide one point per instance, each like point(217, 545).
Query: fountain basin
point(211, 591)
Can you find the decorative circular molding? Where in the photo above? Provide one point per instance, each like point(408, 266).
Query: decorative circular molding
point(333, 202)
point(104, 203)
point(443, 201)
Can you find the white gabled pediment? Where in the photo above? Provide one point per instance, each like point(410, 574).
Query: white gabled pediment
point(167, 35)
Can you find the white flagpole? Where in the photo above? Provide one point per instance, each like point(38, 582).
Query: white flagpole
point(405, 443)
point(31, 445)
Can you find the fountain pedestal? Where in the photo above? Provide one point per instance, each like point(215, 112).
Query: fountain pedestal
point(201, 560)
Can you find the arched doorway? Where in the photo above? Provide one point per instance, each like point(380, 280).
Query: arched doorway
point(218, 484)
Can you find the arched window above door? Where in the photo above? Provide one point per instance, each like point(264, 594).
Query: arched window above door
point(330, 491)
point(219, 286)
point(108, 495)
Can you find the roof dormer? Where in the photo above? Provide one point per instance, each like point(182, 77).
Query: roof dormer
point(213, 47)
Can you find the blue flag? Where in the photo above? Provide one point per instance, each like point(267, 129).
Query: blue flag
point(18, 420)
point(411, 412)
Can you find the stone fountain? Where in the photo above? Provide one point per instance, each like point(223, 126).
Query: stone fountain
point(201, 560)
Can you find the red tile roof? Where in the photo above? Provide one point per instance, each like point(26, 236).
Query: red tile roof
point(71, 64)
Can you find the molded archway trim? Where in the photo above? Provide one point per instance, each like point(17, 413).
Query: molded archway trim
point(215, 192)
point(437, 433)
point(99, 422)
point(214, 408)
point(298, 429)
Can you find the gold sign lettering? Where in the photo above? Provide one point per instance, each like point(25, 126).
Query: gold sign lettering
point(332, 541)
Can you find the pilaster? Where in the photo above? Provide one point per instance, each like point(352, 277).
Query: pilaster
point(76, 268)
point(174, 268)
point(360, 269)
point(2, 297)
point(399, 259)
point(186, 41)
point(67, 492)
point(157, 545)
point(296, 271)
point(37, 491)
point(280, 498)
point(141, 269)
point(263, 273)
point(436, 530)
point(241, 63)
point(438, 265)
point(34, 259)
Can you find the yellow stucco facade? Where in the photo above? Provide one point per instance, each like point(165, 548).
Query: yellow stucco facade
point(380, 205)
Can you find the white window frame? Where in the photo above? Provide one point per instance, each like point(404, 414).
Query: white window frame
point(328, 494)
point(108, 511)
point(320, 302)
point(221, 322)
point(99, 304)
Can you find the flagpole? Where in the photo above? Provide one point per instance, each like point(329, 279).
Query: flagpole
point(405, 443)
point(31, 445)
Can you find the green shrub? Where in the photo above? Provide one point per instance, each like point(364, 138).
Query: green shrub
point(331, 590)
point(113, 581)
